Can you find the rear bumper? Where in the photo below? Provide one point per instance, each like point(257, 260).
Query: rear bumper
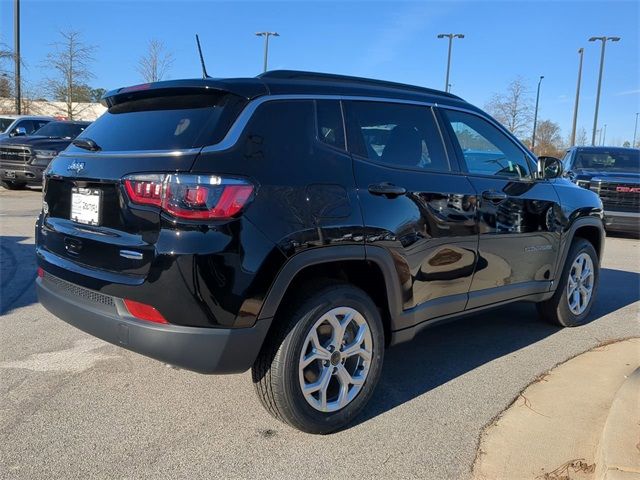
point(200, 349)
point(622, 221)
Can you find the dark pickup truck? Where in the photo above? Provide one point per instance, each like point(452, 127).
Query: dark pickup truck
point(24, 158)
point(614, 174)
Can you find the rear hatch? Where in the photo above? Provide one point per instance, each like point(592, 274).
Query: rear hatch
point(149, 132)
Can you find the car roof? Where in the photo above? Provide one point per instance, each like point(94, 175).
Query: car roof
point(73, 122)
point(291, 82)
point(28, 117)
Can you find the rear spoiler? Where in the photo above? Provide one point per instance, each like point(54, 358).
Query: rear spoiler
point(243, 87)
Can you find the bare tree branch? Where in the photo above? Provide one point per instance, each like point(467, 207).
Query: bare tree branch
point(548, 139)
point(155, 63)
point(514, 108)
point(70, 59)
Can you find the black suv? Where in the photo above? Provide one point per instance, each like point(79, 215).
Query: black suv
point(614, 174)
point(296, 224)
point(24, 158)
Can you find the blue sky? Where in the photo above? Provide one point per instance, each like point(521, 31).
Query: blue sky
point(388, 40)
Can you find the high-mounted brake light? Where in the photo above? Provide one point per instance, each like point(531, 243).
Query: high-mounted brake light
point(193, 197)
point(143, 311)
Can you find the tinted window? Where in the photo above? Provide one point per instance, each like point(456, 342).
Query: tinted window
point(165, 123)
point(4, 124)
point(330, 129)
point(485, 149)
point(608, 159)
point(28, 126)
point(40, 123)
point(60, 130)
point(566, 161)
point(396, 134)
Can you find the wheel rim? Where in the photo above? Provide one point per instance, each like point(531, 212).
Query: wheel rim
point(580, 284)
point(335, 359)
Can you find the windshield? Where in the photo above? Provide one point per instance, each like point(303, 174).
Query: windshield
point(165, 123)
point(60, 130)
point(609, 160)
point(4, 124)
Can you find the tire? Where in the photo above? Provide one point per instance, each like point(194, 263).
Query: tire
point(277, 373)
point(558, 309)
point(9, 185)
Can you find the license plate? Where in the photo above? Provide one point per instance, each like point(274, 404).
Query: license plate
point(10, 174)
point(85, 205)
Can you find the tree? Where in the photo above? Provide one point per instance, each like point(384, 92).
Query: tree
point(581, 137)
point(97, 94)
point(6, 87)
point(626, 144)
point(155, 63)
point(548, 139)
point(70, 59)
point(514, 108)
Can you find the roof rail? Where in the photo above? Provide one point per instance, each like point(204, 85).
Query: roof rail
point(329, 77)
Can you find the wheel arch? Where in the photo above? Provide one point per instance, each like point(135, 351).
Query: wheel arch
point(369, 268)
point(588, 228)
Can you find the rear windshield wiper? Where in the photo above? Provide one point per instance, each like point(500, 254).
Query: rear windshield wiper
point(87, 144)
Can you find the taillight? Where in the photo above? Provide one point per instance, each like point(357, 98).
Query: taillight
point(194, 197)
point(145, 189)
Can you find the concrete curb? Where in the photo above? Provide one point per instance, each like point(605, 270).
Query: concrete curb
point(618, 456)
point(565, 424)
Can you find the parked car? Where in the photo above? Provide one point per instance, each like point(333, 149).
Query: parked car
point(24, 158)
point(614, 174)
point(234, 224)
point(15, 125)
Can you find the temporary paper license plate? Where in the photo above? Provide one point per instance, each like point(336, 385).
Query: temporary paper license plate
point(85, 205)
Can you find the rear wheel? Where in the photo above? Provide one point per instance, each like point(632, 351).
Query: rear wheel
point(319, 369)
point(11, 185)
point(574, 296)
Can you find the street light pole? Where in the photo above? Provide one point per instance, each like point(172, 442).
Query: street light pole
point(575, 107)
point(635, 130)
point(535, 116)
point(604, 134)
point(450, 36)
point(595, 116)
point(266, 36)
point(16, 55)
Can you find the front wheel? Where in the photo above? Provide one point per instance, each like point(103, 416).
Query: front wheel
point(319, 368)
point(574, 296)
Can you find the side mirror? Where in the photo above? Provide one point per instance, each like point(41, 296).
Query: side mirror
point(19, 132)
point(549, 167)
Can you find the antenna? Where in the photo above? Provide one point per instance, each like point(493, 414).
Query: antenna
point(204, 69)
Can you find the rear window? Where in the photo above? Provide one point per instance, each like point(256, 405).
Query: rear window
point(165, 123)
point(60, 130)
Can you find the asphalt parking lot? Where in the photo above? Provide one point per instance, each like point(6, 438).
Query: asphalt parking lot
point(72, 406)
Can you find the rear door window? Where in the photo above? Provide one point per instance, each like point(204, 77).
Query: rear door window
point(164, 123)
point(396, 135)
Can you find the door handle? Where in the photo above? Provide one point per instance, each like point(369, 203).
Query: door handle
point(494, 196)
point(387, 189)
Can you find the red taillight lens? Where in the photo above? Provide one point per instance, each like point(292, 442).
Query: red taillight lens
point(194, 197)
point(145, 189)
point(40, 272)
point(144, 311)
